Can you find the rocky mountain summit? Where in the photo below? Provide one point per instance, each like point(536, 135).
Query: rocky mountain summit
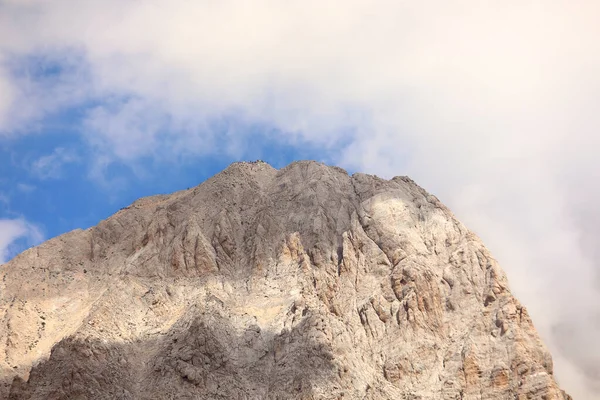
point(299, 283)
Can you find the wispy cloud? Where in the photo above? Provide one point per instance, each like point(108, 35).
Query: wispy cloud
point(51, 166)
point(25, 187)
point(36, 84)
point(4, 200)
point(492, 106)
point(13, 230)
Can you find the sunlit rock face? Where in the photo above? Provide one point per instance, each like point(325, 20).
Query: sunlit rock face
point(299, 283)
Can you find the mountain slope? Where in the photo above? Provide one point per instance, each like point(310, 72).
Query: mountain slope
point(260, 283)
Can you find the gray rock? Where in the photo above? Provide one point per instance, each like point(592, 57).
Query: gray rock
point(299, 283)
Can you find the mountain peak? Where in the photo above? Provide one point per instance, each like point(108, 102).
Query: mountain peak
point(302, 282)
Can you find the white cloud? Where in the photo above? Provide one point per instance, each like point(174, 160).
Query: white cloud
point(51, 166)
point(12, 230)
point(492, 106)
point(6, 98)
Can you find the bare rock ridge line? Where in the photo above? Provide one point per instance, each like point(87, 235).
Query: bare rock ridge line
point(299, 283)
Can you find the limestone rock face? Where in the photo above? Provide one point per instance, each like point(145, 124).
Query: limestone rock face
point(299, 283)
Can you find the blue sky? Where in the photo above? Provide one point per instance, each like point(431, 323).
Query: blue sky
point(492, 107)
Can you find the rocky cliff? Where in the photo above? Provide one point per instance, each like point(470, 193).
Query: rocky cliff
point(299, 283)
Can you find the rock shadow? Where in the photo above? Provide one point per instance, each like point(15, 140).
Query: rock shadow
point(202, 357)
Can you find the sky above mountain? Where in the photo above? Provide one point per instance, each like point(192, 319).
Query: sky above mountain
point(492, 106)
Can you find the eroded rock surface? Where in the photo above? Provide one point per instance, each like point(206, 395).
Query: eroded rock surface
point(299, 283)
